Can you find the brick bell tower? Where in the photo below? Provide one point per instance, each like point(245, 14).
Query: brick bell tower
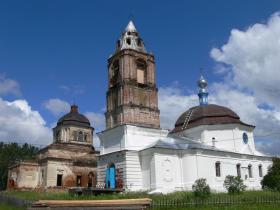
point(132, 92)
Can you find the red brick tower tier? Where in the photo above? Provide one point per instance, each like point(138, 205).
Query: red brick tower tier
point(132, 92)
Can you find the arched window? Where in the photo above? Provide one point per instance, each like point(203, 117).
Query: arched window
point(139, 42)
point(116, 67)
point(250, 171)
point(58, 135)
point(141, 71)
point(75, 135)
point(260, 171)
point(115, 71)
point(213, 141)
point(238, 169)
point(79, 181)
point(80, 136)
point(85, 137)
point(91, 179)
point(218, 169)
point(245, 138)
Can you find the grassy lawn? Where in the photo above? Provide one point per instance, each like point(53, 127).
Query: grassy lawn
point(232, 207)
point(249, 198)
point(4, 206)
point(248, 195)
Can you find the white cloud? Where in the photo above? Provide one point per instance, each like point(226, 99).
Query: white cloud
point(246, 105)
point(250, 66)
point(57, 106)
point(96, 142)
point(252, 58)
point(172, 103)
point(97, 120)
point(9, 86)
point(19, 123)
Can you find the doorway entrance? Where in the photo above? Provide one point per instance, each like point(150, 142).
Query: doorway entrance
point(59, 180)
point(92, 179)
point(111, 176)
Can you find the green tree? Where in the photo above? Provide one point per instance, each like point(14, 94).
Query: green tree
point(234, 184)
point(9, 154)
point(272, 179)
point(201, 189)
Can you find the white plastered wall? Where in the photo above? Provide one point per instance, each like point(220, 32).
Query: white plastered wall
point(226, 137)
point(174, 170)
point(25, 175)
point(54, 168)
point(129, 137)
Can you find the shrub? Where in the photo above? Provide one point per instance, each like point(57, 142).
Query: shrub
point(234, 184)
point(201, 189)
point(272, 179)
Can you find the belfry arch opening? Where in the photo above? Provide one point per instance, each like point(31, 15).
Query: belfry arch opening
point(115, 70)
point(141, 71)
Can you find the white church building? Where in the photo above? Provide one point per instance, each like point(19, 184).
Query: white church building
point(208, 141)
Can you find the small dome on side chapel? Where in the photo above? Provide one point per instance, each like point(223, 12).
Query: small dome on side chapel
point(73, 128)
point(74, 118)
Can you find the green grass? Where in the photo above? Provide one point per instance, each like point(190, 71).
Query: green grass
point(232, 207)
point(248, 195)
point(4, 206)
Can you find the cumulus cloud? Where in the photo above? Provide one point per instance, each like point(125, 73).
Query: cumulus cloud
point(252, 58)
point(8, 86)
point(249, 64)
point(246, 105)
point(173, 102)
point(57, 106)
point(19, 123)
point(97, 120)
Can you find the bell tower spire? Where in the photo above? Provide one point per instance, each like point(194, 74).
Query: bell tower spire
point(130, 39)
point(202, 93)
point(132, 96)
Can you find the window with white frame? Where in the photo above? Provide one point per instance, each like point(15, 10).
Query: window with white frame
point(260, 171)
point(250, 172)
point(218, 169)
point(238, 169)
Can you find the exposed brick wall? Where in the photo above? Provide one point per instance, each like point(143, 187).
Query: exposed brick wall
point(129, 102)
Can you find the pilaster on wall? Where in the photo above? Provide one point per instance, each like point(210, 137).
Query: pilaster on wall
point(133, 171)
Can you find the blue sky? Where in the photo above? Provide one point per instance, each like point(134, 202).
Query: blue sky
point(59, 49)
